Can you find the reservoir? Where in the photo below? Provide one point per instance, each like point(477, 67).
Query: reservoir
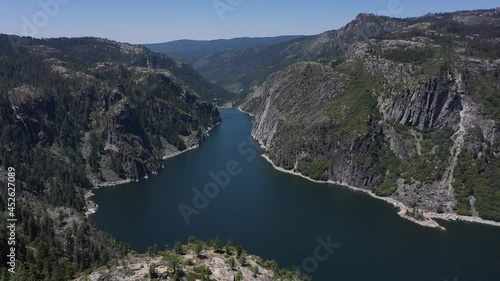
point(225, 188)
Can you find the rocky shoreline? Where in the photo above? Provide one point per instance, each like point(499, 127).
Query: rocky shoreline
point(190, 263)
point(427, 221)
point(91, 207)
point(428, 217)
point(173, 154)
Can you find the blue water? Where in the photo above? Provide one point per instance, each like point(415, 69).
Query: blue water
point(283, 217)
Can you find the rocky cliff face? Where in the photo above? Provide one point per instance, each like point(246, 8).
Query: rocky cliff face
point(195, 261)
point(410, 117)
point(81, 112)
point(118, 111)
point(241, 70)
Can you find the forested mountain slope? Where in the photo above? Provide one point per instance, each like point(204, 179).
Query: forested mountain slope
point(241, 70)
point(236, 64)
point(195, 261)
point(193, 50)
point(406, 108)
point(79, 112)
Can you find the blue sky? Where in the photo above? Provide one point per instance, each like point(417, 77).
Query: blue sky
point(147, 21)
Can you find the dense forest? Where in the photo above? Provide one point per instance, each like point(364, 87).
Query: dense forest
point(408, 108)
point(74, 112)
point(193, 50)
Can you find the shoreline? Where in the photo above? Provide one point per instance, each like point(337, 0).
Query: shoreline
point(177, 153)
point(91, 207)
point(249, 114)
point(428, 222)
point(428, 216)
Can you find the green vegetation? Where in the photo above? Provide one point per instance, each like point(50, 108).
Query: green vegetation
point(238, 276)
point(199, 273)
point(453, 54)
point(430, 164)
point(216, 244)
point(247, 63)
point(466, 177)
point(231, 262)
point(431, 61)
point(317, 169)
point(476, 36)
point(54, 130)
point(180, 266)
point(152, 271)
point(112, 96)
point(425, 167)
point(255, 271)
point(385, 189)
point(414, 56)
point(486, 90)
point(194, 50)
point(390, 166)
point(50, 248)
point(358, 104)
point(178, 249)
point(477, 176)
point(58, 112)
point(281, 274)
point(416, 214)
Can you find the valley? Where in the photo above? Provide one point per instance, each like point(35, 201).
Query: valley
point(369, 114)
point(281, 217)
point(123, 152)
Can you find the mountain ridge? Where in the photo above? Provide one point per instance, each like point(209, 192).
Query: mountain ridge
point(80, 112)
point(409, 114)
point(184, 48)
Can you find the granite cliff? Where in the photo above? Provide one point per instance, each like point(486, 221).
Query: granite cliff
point(119, 112)
point(410, 112)
point(195, 261)
point(81, 112)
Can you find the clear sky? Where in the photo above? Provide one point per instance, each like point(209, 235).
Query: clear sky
point(148, 21)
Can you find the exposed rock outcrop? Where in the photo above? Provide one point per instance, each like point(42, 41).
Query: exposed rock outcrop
point(186, 264)
point(390, 115)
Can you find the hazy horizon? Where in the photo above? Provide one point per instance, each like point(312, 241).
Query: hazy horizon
point(145, 22)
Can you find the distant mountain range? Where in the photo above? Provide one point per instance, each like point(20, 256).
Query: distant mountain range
point(404, 108)
point(230, 63)
point(81, 112)
point(193, 50)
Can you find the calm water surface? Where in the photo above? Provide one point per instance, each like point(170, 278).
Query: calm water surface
point(282, 217)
